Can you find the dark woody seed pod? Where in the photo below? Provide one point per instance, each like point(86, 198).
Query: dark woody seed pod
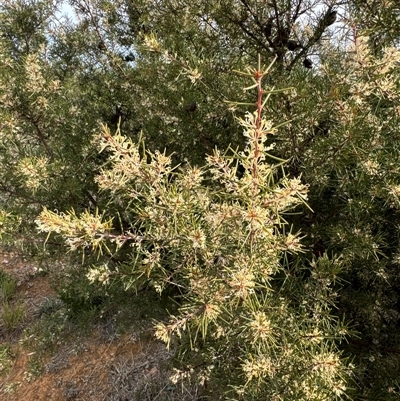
point(292, 45)
point(192, 107)
point(330, 18)
point(307, 63)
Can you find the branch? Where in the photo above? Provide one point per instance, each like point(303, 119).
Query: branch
point(42, 139)
point(248, 33)
point(319, 30)
point(258, 22)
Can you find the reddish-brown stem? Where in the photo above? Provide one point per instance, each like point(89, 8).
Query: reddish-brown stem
point(42, 139)
point(258, 77)
point(355, 34)
point(260, 92)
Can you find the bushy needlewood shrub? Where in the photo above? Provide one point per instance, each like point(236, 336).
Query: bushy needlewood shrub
point(245, 325)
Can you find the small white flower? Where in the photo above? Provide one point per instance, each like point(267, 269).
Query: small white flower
point(99, 273)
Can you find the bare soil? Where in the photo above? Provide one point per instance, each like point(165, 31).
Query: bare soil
point(94, 367)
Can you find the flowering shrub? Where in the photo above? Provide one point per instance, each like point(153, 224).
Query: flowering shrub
point(248, 324)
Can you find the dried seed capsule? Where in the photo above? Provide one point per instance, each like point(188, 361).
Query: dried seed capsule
point(307, 63)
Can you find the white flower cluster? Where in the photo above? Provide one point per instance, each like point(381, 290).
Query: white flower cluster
point(99, 273)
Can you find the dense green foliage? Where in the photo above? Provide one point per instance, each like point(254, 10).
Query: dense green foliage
point(165, 75)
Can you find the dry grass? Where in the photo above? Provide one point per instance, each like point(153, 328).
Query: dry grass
point(111, 358)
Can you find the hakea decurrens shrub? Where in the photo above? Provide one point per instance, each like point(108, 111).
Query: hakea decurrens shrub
point(247, 325)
